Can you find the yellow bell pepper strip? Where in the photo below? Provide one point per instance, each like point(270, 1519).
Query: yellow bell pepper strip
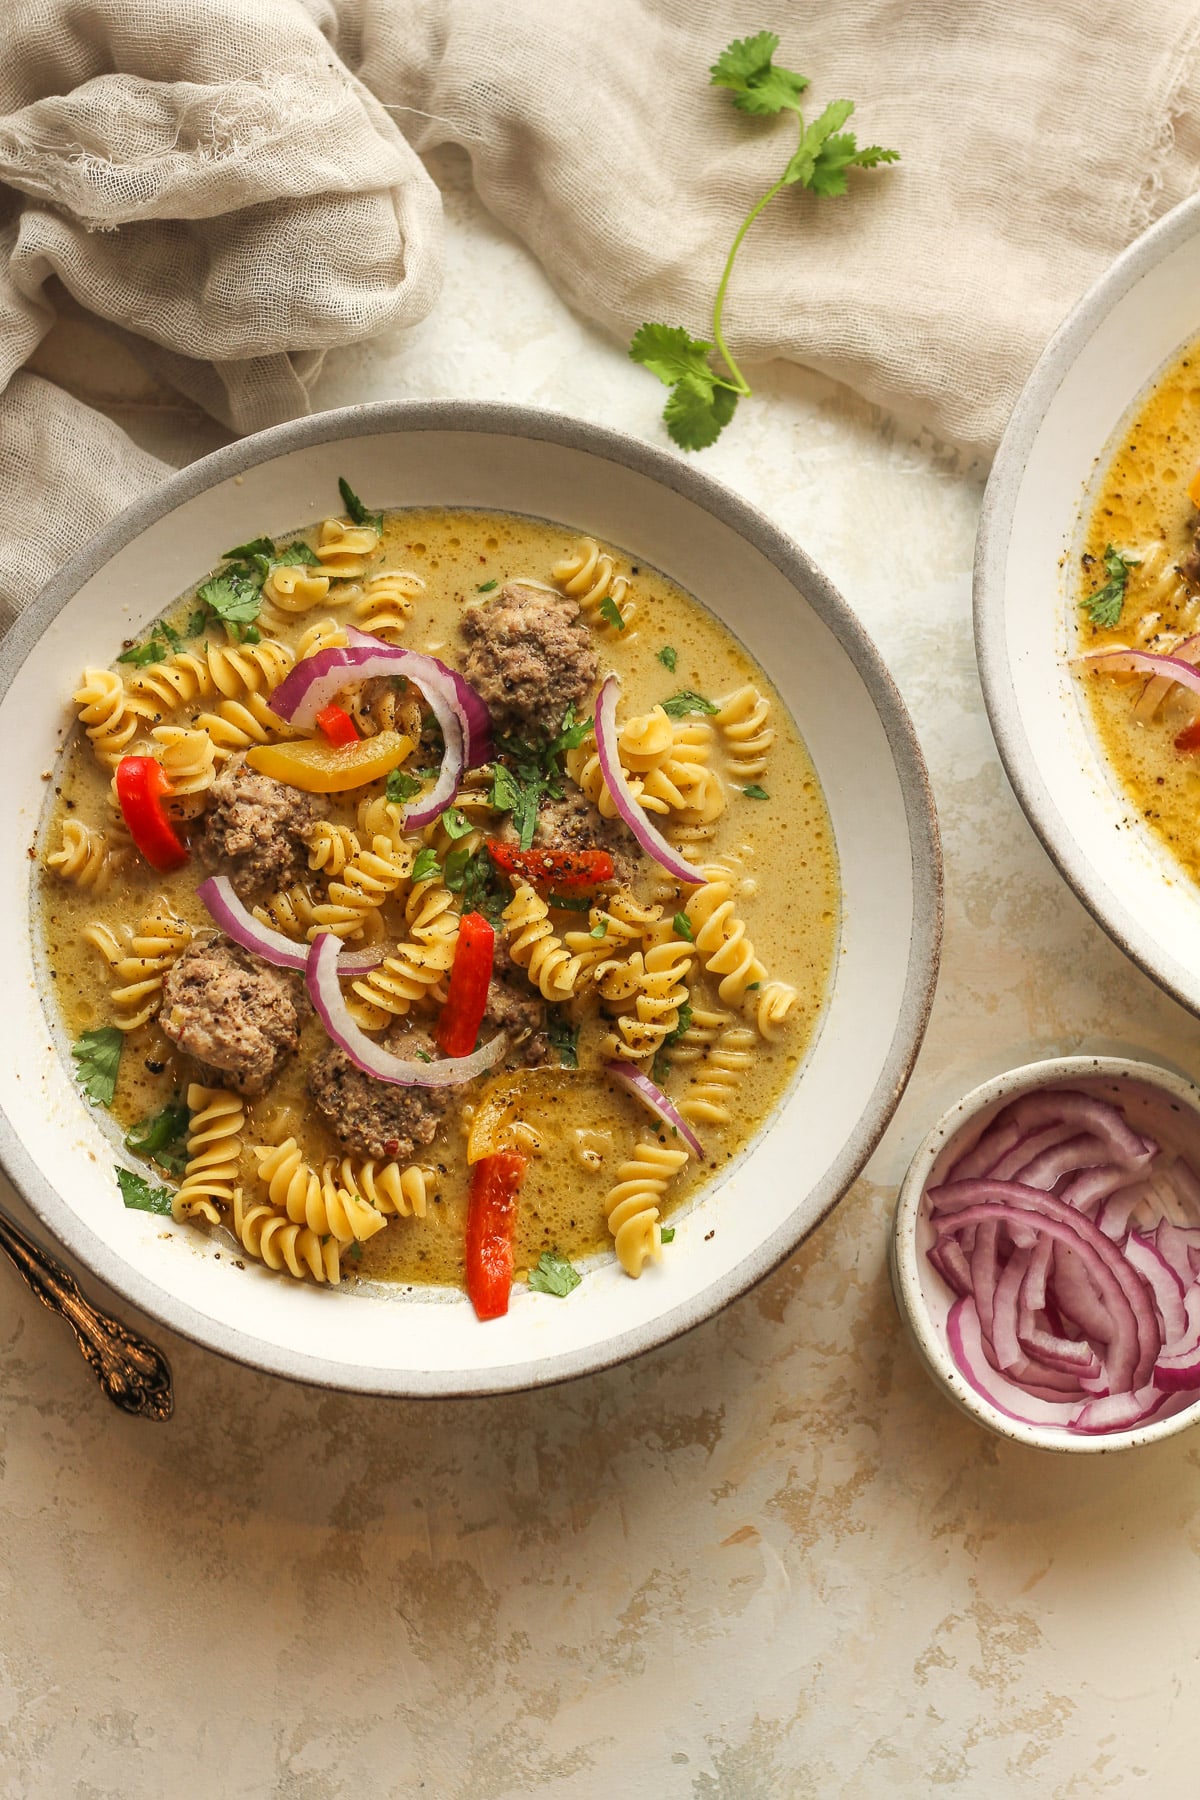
point(319, 768)
point(1193, 489)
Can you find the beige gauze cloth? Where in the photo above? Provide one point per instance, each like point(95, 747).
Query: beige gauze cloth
point(235, 187)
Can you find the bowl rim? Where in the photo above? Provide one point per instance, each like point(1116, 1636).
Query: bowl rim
point(659, 466)
point(988, 584)
point(905, 1271)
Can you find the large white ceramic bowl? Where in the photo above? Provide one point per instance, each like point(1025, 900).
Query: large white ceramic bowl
point(374, 1338)
point(1091, 377)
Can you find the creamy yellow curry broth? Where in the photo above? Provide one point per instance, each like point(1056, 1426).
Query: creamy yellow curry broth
point(773, 844)
point(1143, 512)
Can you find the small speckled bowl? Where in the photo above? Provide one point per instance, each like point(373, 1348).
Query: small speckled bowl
point(1156, 1101)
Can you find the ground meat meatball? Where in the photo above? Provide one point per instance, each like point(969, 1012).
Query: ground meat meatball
point(515, 1006)
point(1189, 563)
point(530, 656)
point(254, 830)
point(236, 1015)
point(375, 1118)
point(573, 823)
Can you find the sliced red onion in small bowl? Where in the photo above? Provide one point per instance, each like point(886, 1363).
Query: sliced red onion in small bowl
point(648, 836)
point(321, 979)
point(636, 1082)
point(238, 923)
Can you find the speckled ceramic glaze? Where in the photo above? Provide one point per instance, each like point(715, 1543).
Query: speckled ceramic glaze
point(1127, 328)
point(1162, 1103)
point(374, 1338)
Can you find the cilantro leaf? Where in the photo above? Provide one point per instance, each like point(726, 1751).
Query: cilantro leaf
point(162, 1136)
point(97, 1055)
point(473, 874)
point(456, 823)
point(506, 793)
point(292, 556)
point(1105, 605)
point(400, 787)
point(570, 902)
point(682, 927)
point(662, 1064)
point(611, 613)
point(427, 867)
point(746, 68)
point(754, 792)
point(233, 597)
point(837, 155)
point(812, 142)
point(565, 1039)
point(196, 622)
point(553, 1275)
point(667, 1234)
point(668, 657)
point(485, 587)
point(152, 651)
point(259, 546)
point(357, 512)
point(698, 411)
point(137, 1193)
point(599, 931)
point(668, 352)
point(569, 738)
point(686, 701)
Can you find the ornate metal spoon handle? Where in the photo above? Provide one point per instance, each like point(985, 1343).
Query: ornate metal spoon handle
point(135, 1376)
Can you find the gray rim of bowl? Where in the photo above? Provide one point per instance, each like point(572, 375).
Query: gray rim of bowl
point(494, 418)
point(991, 555)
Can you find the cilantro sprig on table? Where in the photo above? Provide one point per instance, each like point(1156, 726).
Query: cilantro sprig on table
point(1104, 607)
point(703, 398)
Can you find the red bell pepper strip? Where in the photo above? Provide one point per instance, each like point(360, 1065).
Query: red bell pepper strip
point(470, 977)
point(337, 725)
point(1189, 737)
point(142, 786)
point(491, 1229)
point(565, 868)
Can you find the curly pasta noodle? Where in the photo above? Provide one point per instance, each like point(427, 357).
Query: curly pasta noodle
point(626, 923)
point(230, 670)
point(589, 575)
point(381, 817)
point(323, 634)
point(709, 1088)
point(661, 779)
point(239, 724)
point(704, 1027)
point(742, 720)
point(395, 1191)
point(474, 804)
point(653, 985)
point(312, 1200)
point(111, 717)
point(289, 592)
point(86, 857)
point(293, 911)
point(188, 758)
point(583, 766)
point(775, 1008)
point(385, 605)
point(632, 1206)
point(214, 1146)
point(721, 941)
point(153, 947)
point(330, 847)
point(416, 968)
point(536, 948)
point(367, 880)
point(276, 1240)
point(344, 550)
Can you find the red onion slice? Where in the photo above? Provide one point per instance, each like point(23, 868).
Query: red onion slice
point(965, 1339)
point(1156, 690)
point(629, 1076)
point(1162, 1281)
point(227, 911)
point(1117, 1412)
point(321, 980)
point(1141, 662)
point(648, 836)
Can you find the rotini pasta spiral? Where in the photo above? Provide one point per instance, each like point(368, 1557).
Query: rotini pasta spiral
point(344, 550)
point(775, 1008)
point(239, 724)
point(721, 941)
point(588, 575)
point(177, 681)
point(293, 911)
point(324, 634)
point(86, 857)
point(652, 986)
point(111, 717)
point(287, 592)
point(154, 946)
point(583, 766)
point(626, 923)
point(632, 1206)
point(715, 1075)
point(214, 1145)
point(395, 1191)
point(414, 971)
point(645, 742)
point(188, 758)
point(535, 947)
point(386, 602)
point(704, 1028)
point(231, 670)
point(283, 1245)
point(742, 720)
point(331, 847)
point(365, 883)
point(316, 1201)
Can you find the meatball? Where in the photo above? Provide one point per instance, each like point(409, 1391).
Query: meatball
point(515, 1006)
point(254, 830)
point(573, 823)
point(236, 1015)
point(530, 656)
point(376, 1118)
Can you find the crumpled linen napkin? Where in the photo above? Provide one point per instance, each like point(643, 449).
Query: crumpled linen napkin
point(235, 187)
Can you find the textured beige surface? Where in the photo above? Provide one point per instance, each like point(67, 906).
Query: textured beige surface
point(765, 1563)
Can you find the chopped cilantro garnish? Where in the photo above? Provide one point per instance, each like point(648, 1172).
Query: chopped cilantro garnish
point(668, 656)
point(662, 1065)
point(667, 1234)
point(485, 587)
point(97, 1056)
point(259, 546)
point(456, 823)
point(427, 867)
point(292, 556)
point(683, 927)
point(570, 902)
point(599, 931)
point(401, 787)
point(1104, 606)
point(565, 1039)
point(553, 1275)
point(162, 1136)
point(152, 651)
point(355, 508)
point(754, 792)
point(610, 612)
point(137, 1193)
point(235, 597)
point(686, 701)
point(472, 874)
